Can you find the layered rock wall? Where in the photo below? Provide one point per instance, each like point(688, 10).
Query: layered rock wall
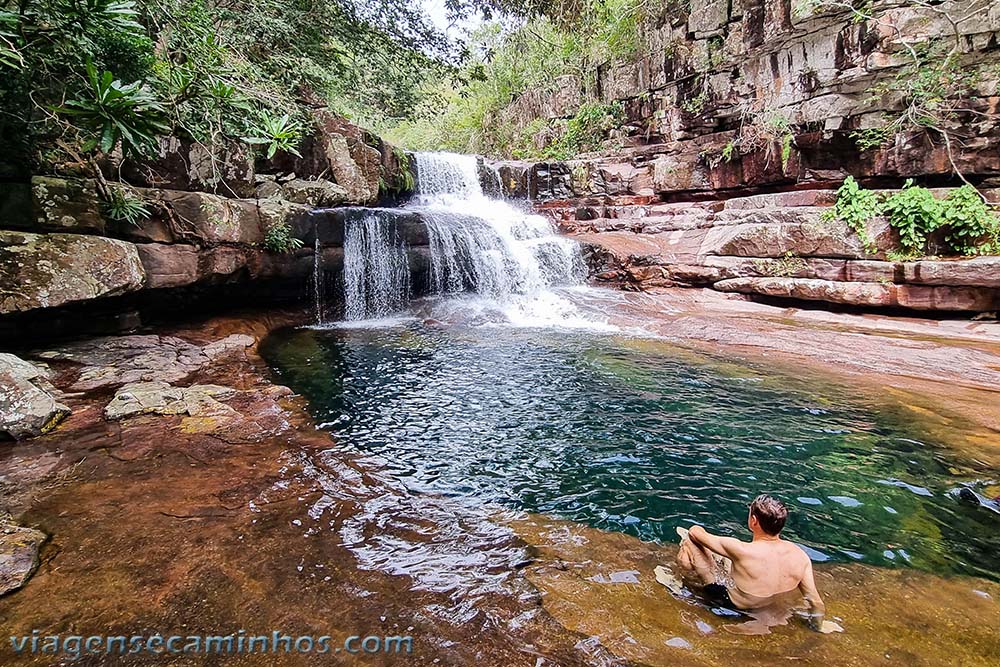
point(744, 115)
point(746, 94)
point(778, 245)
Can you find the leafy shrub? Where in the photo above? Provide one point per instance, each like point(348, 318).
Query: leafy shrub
point(915, 214)
point(970, 226)
point(590, 124)
point(277, 134)
point(10, 55)
point(278, 238)
point(855, 206)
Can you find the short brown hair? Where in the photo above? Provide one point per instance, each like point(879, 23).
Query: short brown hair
point(770, 513)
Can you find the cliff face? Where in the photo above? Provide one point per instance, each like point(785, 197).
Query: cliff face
point(764, 93)
point(742, 117)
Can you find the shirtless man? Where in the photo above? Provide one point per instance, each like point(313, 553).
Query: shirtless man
point(752, 575)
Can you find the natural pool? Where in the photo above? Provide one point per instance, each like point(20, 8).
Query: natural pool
point(637, 436)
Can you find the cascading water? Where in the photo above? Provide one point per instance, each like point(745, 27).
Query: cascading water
point(376, 267)
point(477, 244)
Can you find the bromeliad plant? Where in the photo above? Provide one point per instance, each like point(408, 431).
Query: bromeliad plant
point(115, 113)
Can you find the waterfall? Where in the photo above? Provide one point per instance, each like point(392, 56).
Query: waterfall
point(318, 280)
point(376, 267)
point(489, 247)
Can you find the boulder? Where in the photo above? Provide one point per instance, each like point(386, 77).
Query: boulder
point(336, 150)
point(178, 265)
point(318, 192)
point(167, 265)
point(48, 270)
point(66, 205)
point(185, 164)
point(199, 218)
point(27, 405)
point(878, 295)
point(19, 548)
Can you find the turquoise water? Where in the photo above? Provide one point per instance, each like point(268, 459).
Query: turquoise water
point(637, 437)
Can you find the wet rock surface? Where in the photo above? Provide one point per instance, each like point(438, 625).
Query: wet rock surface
point(18, 555)
point(237, 513)
point(881, 610)
point(28, 406)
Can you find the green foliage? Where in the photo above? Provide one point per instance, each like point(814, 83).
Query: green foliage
point(590, 124)
point(124, 205)
point(212, 71)
point(695, 105)
point(10, 55)
point(276, 134)
point(507, 59)
point(729, 151)
point(871, 137)
point(855, 206)
point(278, 238)
point(970, 226)
point(915, 214)
point(901, 256)
point(115, 112)
point(403, 179)
point(786, 150)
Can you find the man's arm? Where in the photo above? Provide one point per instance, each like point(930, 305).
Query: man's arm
point(808, 589)
point(724, 546)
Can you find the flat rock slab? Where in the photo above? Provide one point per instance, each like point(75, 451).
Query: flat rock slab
point(868, 294)
point(163, 399)
point(18, 556)
point(27, 404)
point(119, 360)
point(223, 412)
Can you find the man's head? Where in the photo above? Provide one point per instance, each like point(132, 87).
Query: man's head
point(767, 515)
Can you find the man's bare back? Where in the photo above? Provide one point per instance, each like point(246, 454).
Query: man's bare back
point(752, 575)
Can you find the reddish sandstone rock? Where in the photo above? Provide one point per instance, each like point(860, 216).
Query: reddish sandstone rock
point(867, 294)
point(799, 232)
point(166, 265)
point(197, 217)
point(976, 272)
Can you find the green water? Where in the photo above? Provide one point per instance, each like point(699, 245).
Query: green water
point(637, 437)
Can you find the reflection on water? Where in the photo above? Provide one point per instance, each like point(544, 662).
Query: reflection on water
point(635, 437)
